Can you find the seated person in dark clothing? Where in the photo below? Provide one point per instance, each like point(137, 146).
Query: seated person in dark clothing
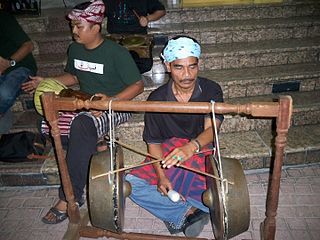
point(132, 17)
point(16, 65)
point(178, 139)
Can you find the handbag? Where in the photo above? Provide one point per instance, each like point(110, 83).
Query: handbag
point(22, 146)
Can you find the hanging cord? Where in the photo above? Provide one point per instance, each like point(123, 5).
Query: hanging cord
point(224, 182)
point(216, 139)
point(111, 137)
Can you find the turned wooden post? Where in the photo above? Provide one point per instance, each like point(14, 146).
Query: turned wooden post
point(51, 115)
point(283, 123)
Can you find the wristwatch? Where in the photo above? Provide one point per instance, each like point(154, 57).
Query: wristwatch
point(12, 62)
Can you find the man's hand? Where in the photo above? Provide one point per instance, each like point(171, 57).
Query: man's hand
point(164, 185)
point(4, 64)
point(178, 155)
point(30, 86)
point(143, 21)
point(98, 113)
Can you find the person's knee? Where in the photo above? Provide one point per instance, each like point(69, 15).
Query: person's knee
point(82, 122)
point(83, 125)
point(6, 95)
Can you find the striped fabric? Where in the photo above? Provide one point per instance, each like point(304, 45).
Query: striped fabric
point(101, 123)
point(187, 183)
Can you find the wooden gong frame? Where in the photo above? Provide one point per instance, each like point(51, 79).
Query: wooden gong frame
point(281, 110)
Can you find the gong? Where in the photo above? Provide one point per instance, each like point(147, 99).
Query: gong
point(230, 214)
point(107, 194)
point(133, 41)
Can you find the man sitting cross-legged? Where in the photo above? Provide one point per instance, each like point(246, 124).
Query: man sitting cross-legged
point(178, 138)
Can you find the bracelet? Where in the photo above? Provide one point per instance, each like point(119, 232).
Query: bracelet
point(197, 144)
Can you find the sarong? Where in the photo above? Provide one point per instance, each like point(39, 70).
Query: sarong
point(187, 183)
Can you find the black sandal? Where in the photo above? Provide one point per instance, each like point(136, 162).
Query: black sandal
point(59, 216)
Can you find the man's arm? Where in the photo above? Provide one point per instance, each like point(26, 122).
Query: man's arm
point(206, 136)
point(20, 54)
point(131, 91)
point(128, 93)
point(144, 20)
point(156, 15)
point(66, 79)
point(23, 51)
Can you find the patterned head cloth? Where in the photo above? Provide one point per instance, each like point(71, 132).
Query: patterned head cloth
point(180, 48)
point(92, 12)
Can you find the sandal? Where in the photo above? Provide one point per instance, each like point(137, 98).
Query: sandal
point(195, 223)
point(59, 216)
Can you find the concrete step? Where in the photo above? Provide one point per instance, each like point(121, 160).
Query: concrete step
point(26, 121)
point(53, 19)
point(205, 32)
point(253, 54)
point(51, 42)
point(50, 65)
point(249, 82)
point(248, 30)
point(221, 56)
point(253, 148)
point(241, 12)
point(266, 80)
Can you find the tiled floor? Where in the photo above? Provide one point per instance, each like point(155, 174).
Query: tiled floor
point(21, 209)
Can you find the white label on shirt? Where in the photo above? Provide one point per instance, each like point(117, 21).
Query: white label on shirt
point(88, 66)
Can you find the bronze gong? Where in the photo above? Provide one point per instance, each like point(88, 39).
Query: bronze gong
point(107, 193)
point(234, 218)
point(133, 41)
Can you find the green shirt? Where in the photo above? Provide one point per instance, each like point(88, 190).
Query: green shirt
point(107, 69)
point(12, 37)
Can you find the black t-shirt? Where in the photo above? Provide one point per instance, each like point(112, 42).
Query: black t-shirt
point(121, 17)
point(12, 36)
point(160, 126)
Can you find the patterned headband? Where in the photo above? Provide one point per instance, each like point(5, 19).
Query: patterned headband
point(94, 13)
point(180, 48)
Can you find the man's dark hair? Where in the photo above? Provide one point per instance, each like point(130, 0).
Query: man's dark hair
point(185, 36)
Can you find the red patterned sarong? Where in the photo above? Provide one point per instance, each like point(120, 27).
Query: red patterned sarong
point(187, 183)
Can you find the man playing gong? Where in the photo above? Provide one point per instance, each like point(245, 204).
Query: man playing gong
point(180, 139)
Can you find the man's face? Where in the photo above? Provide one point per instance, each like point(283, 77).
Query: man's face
point(184, 71)
point(82, 31)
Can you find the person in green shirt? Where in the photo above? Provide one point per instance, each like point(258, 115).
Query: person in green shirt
point(103, 68)
point(16, 64)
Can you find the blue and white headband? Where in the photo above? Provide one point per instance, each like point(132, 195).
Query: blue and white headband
point(180, 48)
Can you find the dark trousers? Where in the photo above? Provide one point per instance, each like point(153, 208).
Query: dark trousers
point(81, 146)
